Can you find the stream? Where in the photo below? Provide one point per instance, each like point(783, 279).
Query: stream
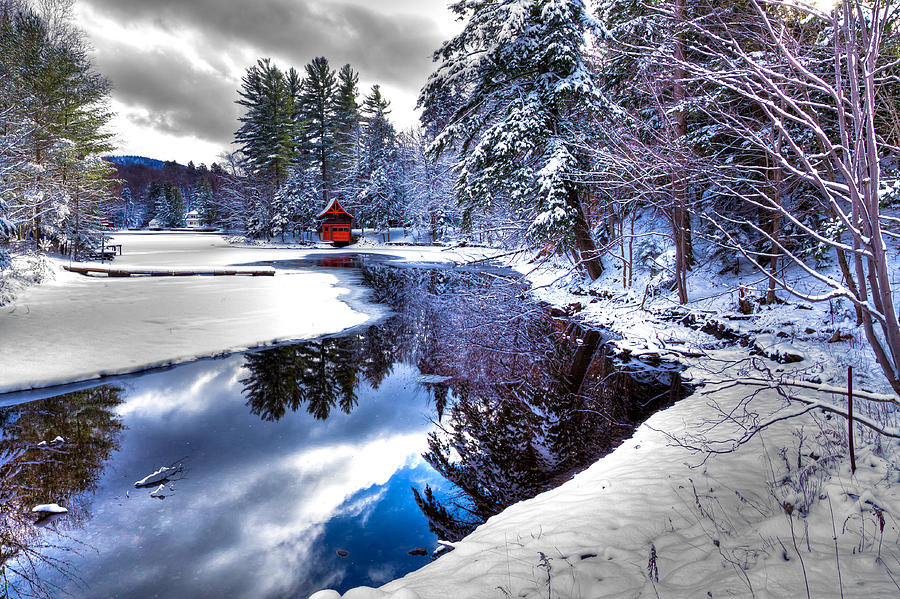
point(330, 463)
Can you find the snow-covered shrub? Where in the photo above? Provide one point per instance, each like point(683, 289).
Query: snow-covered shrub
point(889, 194)
point(5, 260)
point(647, 250)
point(819, 251)
point(25, 271)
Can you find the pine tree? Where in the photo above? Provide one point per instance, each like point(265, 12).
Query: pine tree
point(271, 123)
point(379, 136)
point(49, 83)
point(381, 195)
point(203, 202)
point(125, 213)
point(169, 204)
point(297, 202)
point(348, 137)
point(516, 135)
point(317, 110)
point(6, 231)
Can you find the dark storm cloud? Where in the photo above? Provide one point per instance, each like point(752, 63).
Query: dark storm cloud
point(181, 99)
point(388, 48)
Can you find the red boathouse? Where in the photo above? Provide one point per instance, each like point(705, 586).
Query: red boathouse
point(336, 224)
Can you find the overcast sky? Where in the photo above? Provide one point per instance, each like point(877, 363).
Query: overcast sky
point(176, 64)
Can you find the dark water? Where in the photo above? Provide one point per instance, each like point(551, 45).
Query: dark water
point(467, 399)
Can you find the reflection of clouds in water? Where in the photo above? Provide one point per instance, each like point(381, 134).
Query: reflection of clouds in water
point(258, 495)
point(187, 390)
point(361, 509)
point(382, 574)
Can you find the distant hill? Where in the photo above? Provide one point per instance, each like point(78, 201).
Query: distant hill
point(140, 171)
point(138, 161)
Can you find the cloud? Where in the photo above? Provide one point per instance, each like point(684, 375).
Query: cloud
point(179, 97)
point(393, 48)
point(176, 65)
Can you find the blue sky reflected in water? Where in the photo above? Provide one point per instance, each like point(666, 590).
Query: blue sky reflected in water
point(263, 506)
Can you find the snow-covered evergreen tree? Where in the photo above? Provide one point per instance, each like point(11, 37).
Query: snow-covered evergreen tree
point(49, 84)
point(124, 212)
point(6, 231)
point(169, 204)
point(202, 201)
point(521, 63)
point(348, 138)
point(381, 194)
point(317, 110)
point(270, 125)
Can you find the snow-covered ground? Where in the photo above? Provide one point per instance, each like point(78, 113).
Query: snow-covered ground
point(76, 328)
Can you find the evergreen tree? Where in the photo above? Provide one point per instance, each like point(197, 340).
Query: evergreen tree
point(296, 203)
point(125, 212)
point(381, 196)
point(317, 109)
point(169, 202)
point(348, 137)
point(49, 83)
point(202, 201)
point(271, 123)
point(6, 231)
point(379, 136)
point(516, 136)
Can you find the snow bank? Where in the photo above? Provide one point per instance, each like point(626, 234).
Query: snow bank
point(652, 520)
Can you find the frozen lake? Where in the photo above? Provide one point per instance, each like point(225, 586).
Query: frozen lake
point(78, 328)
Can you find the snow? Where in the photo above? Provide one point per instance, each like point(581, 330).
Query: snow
point(161, 475)
point(161, 492)
point(78, 328)
point(49, 508)
point(25, 271)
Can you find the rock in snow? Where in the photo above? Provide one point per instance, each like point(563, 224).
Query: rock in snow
point(49, 508)
point(161, 492)
point(160, 476)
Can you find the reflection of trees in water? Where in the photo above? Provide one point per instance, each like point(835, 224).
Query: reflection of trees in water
point(532, 400)
point(320, 375)
point(526, 403)
point(64, 472)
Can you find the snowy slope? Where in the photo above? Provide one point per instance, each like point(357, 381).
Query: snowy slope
point(653, 520)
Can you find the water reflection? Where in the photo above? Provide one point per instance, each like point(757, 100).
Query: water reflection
point(529, 398)
point(522, 400)
point(319, 375)
point(51, 452)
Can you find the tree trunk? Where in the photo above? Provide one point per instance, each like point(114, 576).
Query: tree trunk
point(680, 216)
point(584, 242)
point(775, 223)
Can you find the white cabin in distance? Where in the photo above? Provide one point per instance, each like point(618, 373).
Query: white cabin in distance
point(192, 220)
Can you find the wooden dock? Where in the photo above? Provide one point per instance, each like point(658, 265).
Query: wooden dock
point(89, 269)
